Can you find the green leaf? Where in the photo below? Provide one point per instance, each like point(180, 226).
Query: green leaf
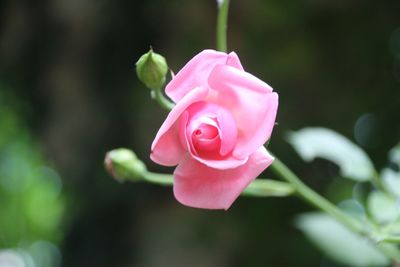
point(390, 177)
point(338, 243)
point(391, 181)
point(353, 162)
point(392, 229)
point(361, 192)
point(383, 208)
point(353, 208)
point(394, 155)
point(268, 188)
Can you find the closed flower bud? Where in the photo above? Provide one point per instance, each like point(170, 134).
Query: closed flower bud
point(123, 164)
point(151, 69)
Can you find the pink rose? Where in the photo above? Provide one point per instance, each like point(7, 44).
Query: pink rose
point(216, 131)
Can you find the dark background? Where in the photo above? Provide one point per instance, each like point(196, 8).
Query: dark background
point(71, 62)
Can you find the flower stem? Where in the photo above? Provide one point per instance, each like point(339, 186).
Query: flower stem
point(377, 182)
point(158, 178)
point(314, 198)
point(323, 204)
point(391, 239)
point(258, 188)
point(162, 100)
point(222, 23)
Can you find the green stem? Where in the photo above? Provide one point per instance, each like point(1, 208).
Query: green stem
point(162, 100)
point(258, 188)
point(158, 178)
point(321, 203)
point(222, 23)
point(268, 188)
point(125, 165)
point(314, 198)
point(391, 239)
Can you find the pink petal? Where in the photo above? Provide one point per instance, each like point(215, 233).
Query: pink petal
point(228, 131)
point(199, 186)
point(234, 61)
point(206, 138)
point(222, 163)
point(182, 132)
point(251, 102)
point(166, 148)
point(220, 118)
point(202, 112)
point(195, 73)
point(195, 122)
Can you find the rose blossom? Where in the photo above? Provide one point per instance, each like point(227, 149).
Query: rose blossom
point(216, 131)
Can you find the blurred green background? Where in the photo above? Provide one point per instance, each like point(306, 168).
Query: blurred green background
point(69, 93)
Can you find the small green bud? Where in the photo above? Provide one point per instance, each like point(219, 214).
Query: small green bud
point(151, 69)
point(123, 164)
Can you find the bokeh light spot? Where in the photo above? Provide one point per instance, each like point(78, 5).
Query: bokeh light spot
point(366, 131)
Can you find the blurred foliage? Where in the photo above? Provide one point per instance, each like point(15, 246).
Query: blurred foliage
point(313, 142)
point(334, 64)
point(338, 242)
point(376, 210)
point(31, 201)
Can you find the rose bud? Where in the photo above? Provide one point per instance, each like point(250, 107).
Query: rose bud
point(123, 164)
point(151, 69)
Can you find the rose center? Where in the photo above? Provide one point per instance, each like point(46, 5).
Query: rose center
point(205, 138)
point(208, 130)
